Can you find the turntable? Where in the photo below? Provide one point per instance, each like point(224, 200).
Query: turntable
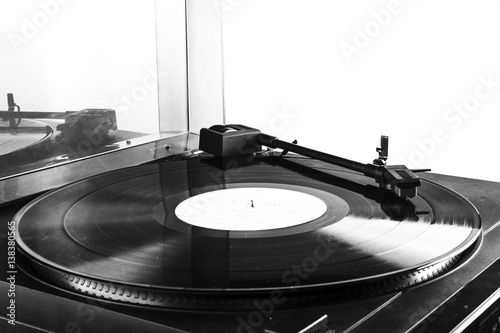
point(266, 241)
point(225, 228)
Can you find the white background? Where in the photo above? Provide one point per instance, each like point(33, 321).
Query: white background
point(60, 55)
point(284, 71)
point(285, 56)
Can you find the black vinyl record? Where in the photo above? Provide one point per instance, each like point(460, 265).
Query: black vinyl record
point(122, 237)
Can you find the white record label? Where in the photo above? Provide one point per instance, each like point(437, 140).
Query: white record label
point(250, 209)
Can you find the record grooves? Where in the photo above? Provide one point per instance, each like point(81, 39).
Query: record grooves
point(118, 236)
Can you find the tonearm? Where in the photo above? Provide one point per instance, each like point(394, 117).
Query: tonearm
point(234, 140)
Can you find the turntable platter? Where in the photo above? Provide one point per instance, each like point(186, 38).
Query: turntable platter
point(162, 233)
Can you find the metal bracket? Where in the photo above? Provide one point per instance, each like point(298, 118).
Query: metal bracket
point(12, 106)
point(383, 151)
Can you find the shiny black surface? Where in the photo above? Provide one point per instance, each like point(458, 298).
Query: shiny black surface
point(104, 227)
point(399, 312)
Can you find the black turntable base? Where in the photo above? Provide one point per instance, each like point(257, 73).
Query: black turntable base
point(158, 248)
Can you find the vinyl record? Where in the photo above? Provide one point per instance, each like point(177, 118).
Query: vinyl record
point(29, 134)
point(184, 234)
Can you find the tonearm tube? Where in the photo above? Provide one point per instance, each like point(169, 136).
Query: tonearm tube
point(234, 140)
